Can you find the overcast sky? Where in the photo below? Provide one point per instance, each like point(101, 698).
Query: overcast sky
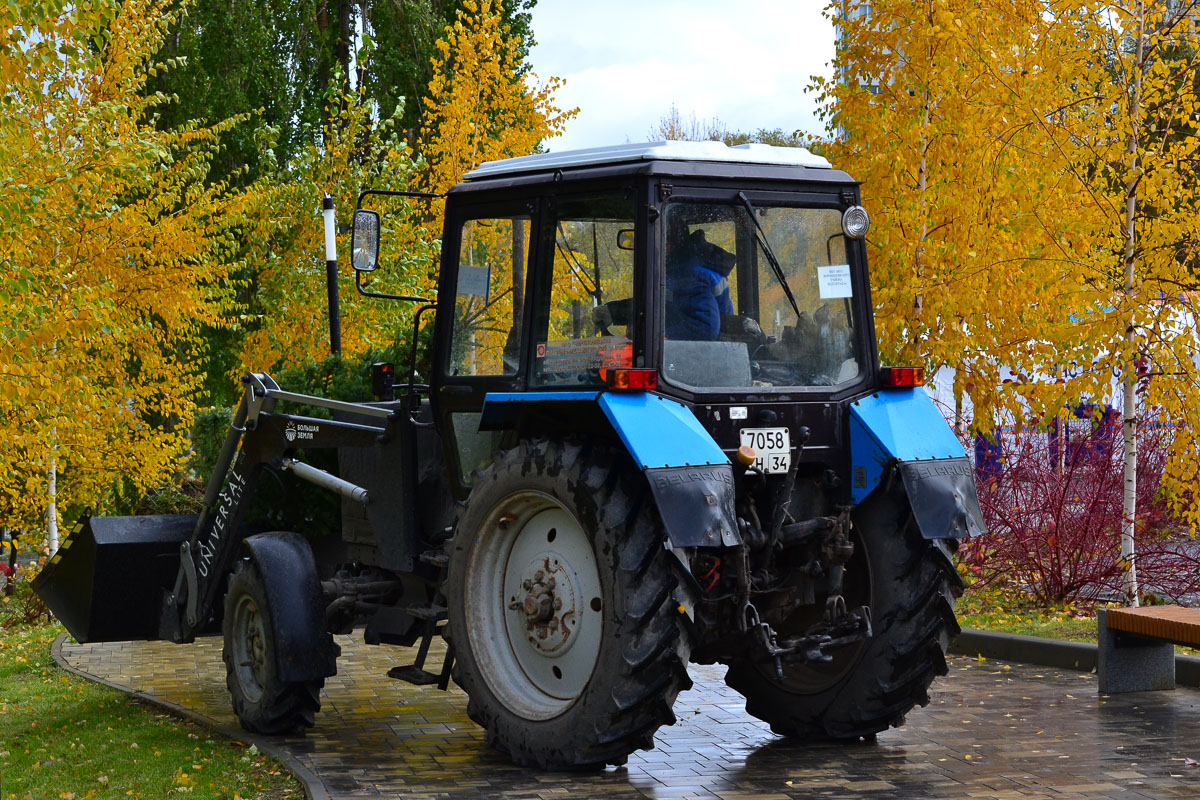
point(746, 63)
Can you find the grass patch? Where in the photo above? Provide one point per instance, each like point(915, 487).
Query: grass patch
point(68, 738)
point(991, 611)
point(1047, 624)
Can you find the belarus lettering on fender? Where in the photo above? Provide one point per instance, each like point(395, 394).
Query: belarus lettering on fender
point(679, 478)
point(933, 470)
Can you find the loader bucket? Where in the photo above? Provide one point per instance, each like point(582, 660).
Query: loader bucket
point(106, 581)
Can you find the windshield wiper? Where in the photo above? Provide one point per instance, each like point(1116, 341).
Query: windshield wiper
point(761, 237)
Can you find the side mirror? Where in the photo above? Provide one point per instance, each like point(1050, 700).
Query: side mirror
point(364, 244)
point(625, 239)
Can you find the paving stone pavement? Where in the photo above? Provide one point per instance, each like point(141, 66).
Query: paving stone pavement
point(991, 730)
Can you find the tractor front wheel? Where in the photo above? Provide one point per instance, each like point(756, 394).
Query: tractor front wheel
point(566, 612)
point(262, 701)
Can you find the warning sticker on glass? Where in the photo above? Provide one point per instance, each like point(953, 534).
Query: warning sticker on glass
point(577, 355)
point(834, 281)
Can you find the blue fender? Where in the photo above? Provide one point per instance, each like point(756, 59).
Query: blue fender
point(689, 475)
point(901, 432)
point(304, 650)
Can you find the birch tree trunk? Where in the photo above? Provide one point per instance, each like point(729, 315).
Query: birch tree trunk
point(1129, 381)
point(52, 474)
point(52, 506)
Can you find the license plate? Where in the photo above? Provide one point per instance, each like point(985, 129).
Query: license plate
point(773, 447)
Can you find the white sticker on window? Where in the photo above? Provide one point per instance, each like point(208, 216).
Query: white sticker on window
point(737, 412)
point(834, 281)
point(472, 280)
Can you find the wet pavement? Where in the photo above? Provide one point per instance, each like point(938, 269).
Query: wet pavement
point(991, 730)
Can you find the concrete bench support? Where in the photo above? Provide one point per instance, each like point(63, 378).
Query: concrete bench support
point(1131, 663)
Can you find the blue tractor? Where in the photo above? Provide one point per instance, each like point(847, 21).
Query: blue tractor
point(655, 432)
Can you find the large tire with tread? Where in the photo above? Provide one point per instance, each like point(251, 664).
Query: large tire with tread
point(604, 677)
point(262, 702)
point(910, 583)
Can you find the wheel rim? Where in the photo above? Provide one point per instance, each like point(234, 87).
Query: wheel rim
point(533, 605)
point(249, 648)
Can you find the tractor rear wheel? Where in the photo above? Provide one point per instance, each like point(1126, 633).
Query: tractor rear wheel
point(262, 702)
point(910, 583)
point(566, 612)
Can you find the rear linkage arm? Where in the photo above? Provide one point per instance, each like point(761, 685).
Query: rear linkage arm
point(839, 625)
point(257, 437)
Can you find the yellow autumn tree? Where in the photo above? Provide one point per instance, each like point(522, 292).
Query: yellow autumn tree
point(966, 267)
point(1031, 166)
point(114, 253)
point(1124, 132)
point(482, 105)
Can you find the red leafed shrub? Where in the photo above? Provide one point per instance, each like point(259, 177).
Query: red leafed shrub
point(1053, 511)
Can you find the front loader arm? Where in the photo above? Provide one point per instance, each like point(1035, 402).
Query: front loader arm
point(258, 437)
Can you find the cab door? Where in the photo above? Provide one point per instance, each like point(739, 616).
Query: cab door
point(482, 325)
point(585, 315)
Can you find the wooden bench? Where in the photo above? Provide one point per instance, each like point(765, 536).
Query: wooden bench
point(1137, 646)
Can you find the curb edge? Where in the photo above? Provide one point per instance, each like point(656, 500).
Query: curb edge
point(1079, 656)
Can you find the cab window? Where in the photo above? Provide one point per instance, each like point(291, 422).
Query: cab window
point(585, 325)
point(492, 267)
point(732, 319)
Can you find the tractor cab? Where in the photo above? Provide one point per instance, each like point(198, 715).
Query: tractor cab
point(730, 278)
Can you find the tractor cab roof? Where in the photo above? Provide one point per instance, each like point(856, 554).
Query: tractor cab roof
point(715, 159)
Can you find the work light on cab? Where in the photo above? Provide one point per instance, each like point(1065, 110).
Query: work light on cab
point(856, 222)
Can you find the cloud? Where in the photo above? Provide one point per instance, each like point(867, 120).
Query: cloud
point(625, 63)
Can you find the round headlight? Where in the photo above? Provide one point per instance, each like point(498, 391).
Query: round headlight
point(855, 222)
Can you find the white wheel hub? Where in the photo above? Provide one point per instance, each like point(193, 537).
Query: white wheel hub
point(534, 605)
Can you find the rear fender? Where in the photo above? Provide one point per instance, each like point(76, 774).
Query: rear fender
point(900, 434)
point(690, 477)
point(304, 650)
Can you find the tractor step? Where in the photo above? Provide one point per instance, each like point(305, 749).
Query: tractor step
point(413, 674)
point(430, 613)
point(416, 674)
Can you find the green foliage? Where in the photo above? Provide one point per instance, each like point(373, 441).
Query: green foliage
point(289, 68)
point(404, 34)
point(775, 137)
point(68, 737)
point(340, 378)
point(276, 60)
point(285, 307)
point(236, 57)
point(282, 502)
point(208, 435)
